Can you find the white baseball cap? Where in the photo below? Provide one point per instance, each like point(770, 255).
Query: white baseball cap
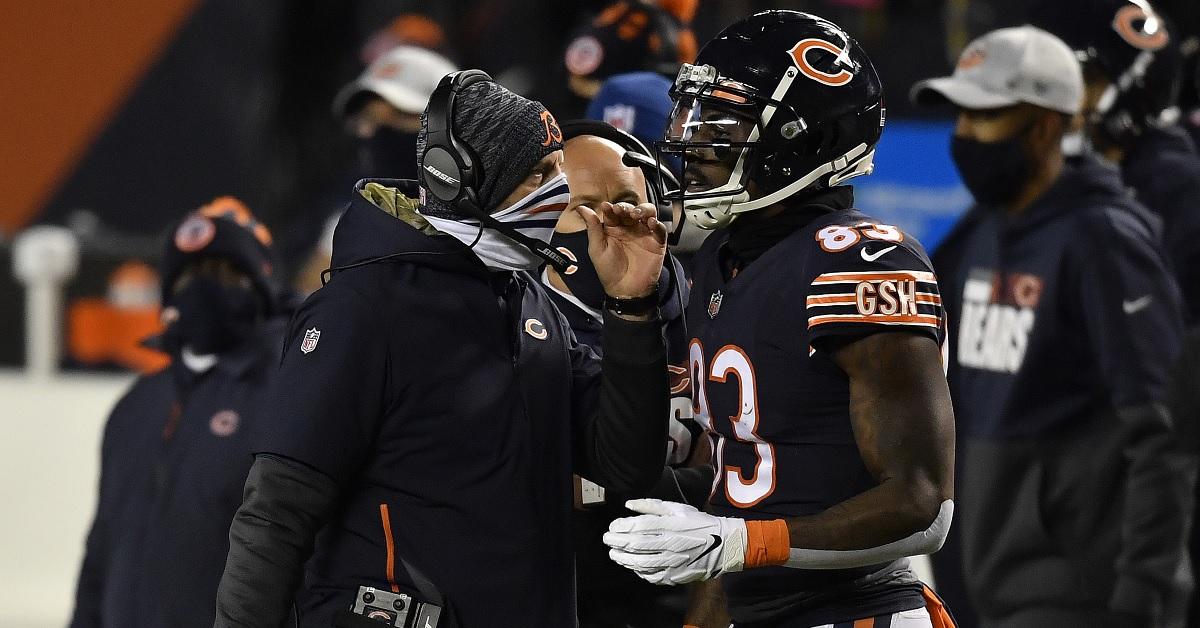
point(1006, 67)
point(405, 77)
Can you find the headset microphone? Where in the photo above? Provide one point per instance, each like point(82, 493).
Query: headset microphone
point(539, 248)
point(450, 170)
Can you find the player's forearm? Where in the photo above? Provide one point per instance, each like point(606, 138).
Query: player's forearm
point(270, 538)
point(891, 521)
point(903, 425)
point(706, 605)
point(888, 512)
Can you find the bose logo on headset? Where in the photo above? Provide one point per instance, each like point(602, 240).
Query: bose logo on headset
point(445, 178)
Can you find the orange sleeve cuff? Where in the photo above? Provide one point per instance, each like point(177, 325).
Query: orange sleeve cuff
point(767, 543)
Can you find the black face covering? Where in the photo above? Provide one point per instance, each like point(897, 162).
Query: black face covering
point(389, 154)
point(213, 317)
point(994, 172)
point(584, 283)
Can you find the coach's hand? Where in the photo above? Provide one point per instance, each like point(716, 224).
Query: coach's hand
point(627, 245)
point(672, 543)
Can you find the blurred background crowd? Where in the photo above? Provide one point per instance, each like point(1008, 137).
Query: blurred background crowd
point(119, 118)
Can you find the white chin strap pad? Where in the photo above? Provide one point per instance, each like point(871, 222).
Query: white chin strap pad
point(716, 212)
point(712, 213)
point(926, 541)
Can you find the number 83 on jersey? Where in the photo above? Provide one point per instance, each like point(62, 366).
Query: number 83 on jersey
point(730, 365)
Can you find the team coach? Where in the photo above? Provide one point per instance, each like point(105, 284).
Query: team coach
point(432, 402)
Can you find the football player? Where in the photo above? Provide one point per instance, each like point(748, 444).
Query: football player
point(816, 351)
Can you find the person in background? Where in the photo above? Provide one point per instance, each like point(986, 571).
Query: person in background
point(1131, 56)
point(1183, 17)
point(176, 447)
point(593, 155)
point(109, 330)
point(628, 36)
point(1075, 494)
point(406, 29)
point(1131, 70)
point(639, 103)
point(382, 109)
point(634, 102)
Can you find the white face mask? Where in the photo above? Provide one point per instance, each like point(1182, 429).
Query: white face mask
point(534, 216)
point(1074, 143)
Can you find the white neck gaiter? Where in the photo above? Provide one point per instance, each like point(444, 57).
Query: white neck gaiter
point(197, 362)
point(534, 216)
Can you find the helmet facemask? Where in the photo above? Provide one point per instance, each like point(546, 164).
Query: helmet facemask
point(733, 143)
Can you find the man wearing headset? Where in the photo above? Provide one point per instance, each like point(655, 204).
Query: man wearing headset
point(605, 164)
point(433, 403)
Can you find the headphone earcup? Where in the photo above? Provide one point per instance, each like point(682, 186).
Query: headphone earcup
point(442, 174)
point(449, 170)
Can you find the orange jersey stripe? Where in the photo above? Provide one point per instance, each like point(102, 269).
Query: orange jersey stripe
point(912, 319)
point(833, 299)
point(915, 275)
point(851, 299)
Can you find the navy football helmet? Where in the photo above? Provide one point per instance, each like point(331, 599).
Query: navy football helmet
point(1132, 47)
point(779, 102)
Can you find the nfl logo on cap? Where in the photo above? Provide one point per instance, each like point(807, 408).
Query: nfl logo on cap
point(310, 340)
point(623, 117)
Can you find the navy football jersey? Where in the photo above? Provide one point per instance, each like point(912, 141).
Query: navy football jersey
point(777, 407)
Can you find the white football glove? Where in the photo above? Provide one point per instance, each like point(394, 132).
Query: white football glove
point(674, 543)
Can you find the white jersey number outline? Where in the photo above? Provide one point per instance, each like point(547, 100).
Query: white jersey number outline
point(731, 359)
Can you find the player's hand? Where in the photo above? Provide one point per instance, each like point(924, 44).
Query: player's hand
point(673, 543)
point(627, 245)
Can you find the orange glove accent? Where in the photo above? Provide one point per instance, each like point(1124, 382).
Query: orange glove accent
point(767, 543)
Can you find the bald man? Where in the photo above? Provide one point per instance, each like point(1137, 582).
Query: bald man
point(596, 174)
point(608, 594)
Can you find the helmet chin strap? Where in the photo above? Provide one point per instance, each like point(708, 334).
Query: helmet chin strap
point(714, 213)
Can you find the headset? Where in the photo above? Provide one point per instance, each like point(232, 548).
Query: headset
point(659, 180)
point(450, 170)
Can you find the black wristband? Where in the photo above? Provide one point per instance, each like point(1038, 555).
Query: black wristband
point(631, 307)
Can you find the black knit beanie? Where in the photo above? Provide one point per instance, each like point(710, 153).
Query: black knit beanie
point(223, 229)
point(507, 132)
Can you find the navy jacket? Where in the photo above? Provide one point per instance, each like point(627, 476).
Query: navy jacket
point(175, 455)
point(1164, 171)
point(1065, 322)
point(598, 577)
point(449, 405)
